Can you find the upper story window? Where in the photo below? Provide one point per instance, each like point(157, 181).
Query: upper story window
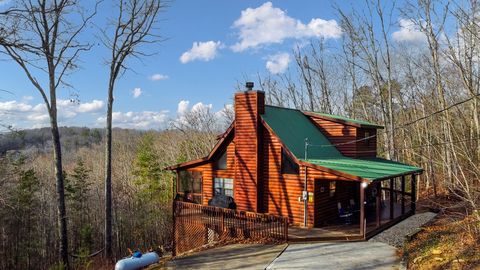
point(221, 163)
point(288, 165)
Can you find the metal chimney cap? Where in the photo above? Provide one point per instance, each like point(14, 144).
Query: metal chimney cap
point(249, 86)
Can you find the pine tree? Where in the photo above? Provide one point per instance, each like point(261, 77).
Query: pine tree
point(148, 172)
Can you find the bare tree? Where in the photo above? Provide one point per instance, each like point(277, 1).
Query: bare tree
point(133, 27)
point(374, 57)
point(42, 38)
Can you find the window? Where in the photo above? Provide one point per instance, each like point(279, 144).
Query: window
point(288, 165)
point(223, 186)
point(332, 188)
point(190, 182)
point(367, 138)
point(221, 163)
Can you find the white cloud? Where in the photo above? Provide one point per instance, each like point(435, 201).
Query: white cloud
point(185, 112)
point(200, 107)
point(182, 107)
point(94, 106)
point(201, 116)
point(138, 120)
point(24, 115)
point(267, 24)
point(204, 51)
point(278, 63)
point(408, 32)
point(14, 106)
point(137, 92)
point(158, 77)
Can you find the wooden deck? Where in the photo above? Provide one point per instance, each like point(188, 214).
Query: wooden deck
point(350, 232)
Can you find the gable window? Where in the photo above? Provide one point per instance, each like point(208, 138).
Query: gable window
point(223, 186)
point(189, 185)
point(221, 163)
point(288, 165)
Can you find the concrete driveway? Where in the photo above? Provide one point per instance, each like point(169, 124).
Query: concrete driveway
point(339, 256)
point(239, 256)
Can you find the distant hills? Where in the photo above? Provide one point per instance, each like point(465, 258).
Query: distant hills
point(39, 139)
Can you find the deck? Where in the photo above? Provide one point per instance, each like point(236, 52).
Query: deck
point(350, 232)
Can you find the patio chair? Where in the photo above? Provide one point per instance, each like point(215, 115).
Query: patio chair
point(345, 215)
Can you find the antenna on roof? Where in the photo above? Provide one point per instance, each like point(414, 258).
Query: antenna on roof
point(249, 86)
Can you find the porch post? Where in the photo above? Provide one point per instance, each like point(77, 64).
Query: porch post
point(414, 194)
point(403, 194)
point(391, 197)
point(362, 208)
point(378, 202)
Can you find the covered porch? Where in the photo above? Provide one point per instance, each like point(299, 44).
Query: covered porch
point(385, 203)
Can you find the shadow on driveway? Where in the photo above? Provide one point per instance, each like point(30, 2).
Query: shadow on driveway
point(238, 256)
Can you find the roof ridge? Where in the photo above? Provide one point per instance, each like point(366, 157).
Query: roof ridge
point(279, 107)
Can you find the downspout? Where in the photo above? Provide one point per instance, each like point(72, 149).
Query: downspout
point(305, 189)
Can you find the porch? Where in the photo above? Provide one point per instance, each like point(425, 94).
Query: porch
point(385, 203)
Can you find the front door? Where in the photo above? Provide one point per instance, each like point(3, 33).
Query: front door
point(325, 202)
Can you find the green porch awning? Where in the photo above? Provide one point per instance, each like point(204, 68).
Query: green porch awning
point(371, 169)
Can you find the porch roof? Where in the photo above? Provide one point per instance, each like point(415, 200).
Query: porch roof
point(292, 127)
point(370, 169)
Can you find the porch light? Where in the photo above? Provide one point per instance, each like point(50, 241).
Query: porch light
point(364, 184)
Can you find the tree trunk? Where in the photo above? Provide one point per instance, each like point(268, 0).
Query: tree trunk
point(62, 213)
point(108, 176)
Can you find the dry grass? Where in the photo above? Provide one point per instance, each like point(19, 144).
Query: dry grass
point(447, 243)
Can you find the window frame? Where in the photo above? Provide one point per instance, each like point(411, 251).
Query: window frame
point(293, 165)
point(223, 189)
point(199, 179)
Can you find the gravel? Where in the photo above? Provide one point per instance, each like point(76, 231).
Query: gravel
point(397, 234)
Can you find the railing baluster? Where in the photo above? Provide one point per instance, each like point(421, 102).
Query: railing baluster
point(196, 225)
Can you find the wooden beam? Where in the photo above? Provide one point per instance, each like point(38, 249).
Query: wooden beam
point(378, 204)
point(403, 195)
point(414, 194)
point(362, 210)
point(391, 198)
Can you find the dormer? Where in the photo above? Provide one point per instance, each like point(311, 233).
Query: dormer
point(353, 138)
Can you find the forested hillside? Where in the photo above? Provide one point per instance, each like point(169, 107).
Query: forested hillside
point(40, 139)
point(142, 192)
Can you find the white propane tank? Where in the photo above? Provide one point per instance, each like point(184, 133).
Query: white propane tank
point(132, 263)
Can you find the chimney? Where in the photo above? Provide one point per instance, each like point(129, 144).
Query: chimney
point(249, 105)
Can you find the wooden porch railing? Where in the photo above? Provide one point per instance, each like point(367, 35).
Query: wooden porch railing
point(198, 226)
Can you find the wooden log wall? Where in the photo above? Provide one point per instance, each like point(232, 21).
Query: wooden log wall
point(366, 148)
point(281, 191)
point(339, 133)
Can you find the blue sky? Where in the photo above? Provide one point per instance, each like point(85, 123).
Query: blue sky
point(209, 46)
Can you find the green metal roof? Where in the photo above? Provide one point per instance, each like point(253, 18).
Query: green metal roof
point(370, 169)
point(348, 120)
point(292, 127)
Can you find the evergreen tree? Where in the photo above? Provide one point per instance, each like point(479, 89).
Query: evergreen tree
point(23, 218)
point(148, 172)
point(77, 187)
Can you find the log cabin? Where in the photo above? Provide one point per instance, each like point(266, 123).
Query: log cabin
point(317, 169)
